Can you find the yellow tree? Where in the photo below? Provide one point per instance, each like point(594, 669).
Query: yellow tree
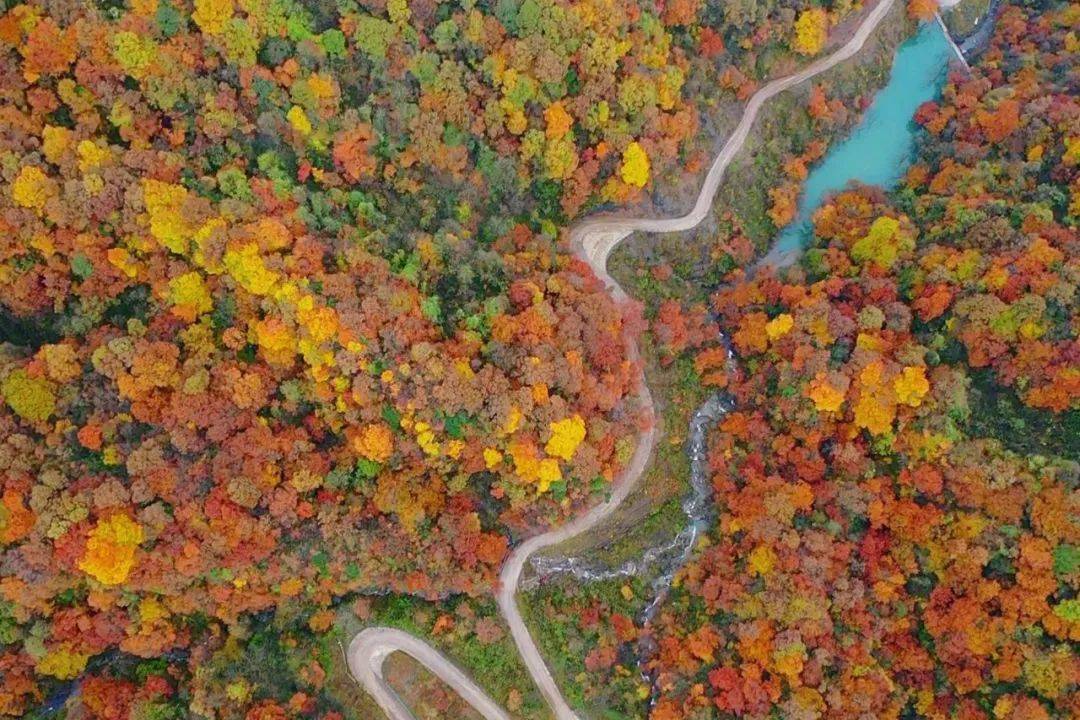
point(635, 165)
point(811, 31)
point(110, 549)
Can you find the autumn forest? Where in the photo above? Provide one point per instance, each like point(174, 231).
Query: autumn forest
point(294, 342)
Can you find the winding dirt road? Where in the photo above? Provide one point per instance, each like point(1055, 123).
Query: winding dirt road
point(369, 650)
point(592, 241)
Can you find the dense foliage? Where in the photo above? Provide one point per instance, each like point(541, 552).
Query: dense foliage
point(880, 550)
point(284, 317)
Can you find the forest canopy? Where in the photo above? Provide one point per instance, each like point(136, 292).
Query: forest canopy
point(288, 322)
point(898, 485)
point(285, 315)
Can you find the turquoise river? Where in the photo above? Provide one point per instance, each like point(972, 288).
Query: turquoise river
point(880, 148)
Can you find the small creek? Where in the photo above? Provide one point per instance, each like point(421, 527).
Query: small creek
point(668, 558)
point(976, 40)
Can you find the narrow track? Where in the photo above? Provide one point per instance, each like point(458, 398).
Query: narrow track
point(592, 241)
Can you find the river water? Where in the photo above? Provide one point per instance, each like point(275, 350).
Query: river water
point(880, 148)
point(877, 152)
